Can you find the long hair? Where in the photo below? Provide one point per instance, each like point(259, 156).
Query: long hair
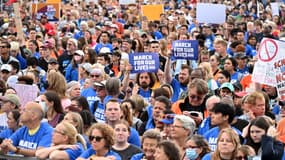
point(57, 83)
point(234, 138)
point(52, 96)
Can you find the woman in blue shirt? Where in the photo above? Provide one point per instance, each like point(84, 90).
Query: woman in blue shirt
point(102, 138)
point(13, 124)
point(64, 143)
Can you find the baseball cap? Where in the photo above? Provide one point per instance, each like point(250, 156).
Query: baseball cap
point(168, 119)
point(13, 98)
point(228, 85)
point(79, 52)
point(52, 60)
point(6, 67)
point(240, 56)
point(241, 94)
point(100, 84)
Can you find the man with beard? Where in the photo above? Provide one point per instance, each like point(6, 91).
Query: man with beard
point(179, 85)
point(145, 82)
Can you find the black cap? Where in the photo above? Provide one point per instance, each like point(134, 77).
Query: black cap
point(52, 60)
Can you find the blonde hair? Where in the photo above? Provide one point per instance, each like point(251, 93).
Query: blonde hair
point(235, 140)
point(70, 131)
point(206, 66)
point(76, 117)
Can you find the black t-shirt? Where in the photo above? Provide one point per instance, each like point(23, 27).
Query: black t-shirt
point(128, 152)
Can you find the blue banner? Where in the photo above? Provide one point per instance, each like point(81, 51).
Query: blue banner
point(185, 49)
point(144, 62)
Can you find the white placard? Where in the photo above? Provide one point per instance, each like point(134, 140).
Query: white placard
point(275, 8)
point(125, 2)
point(211, 13)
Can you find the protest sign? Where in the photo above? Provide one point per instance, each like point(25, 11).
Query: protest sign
point(51, 10)
point(126, 2)
point(211, 13)
point(25, 92)
point(152, 12)
point(185, 49)
point(275, 8)
point(144, 62)
point(270, 67)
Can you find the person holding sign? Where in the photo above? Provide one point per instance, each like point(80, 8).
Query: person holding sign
point(179, 85)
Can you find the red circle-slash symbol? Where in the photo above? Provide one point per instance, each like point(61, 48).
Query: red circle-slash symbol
point(268, 50)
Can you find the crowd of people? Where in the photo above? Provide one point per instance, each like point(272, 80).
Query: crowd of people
point(91, 105)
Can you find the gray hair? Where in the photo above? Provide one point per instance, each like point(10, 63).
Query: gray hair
point(187, 123)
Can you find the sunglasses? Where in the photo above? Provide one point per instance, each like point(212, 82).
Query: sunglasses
point(195, 97)
point(97, 138)
point(97, 76)
point(169, 116)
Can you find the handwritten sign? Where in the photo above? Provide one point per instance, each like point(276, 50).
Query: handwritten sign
point(185, 49)
point(25, 92)
point(144, 62)
point(270, 67)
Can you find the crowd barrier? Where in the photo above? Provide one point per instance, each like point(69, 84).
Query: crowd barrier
point(16, 157)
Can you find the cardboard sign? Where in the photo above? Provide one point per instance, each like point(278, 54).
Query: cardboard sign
point(185, 49)
point(18, 21)
point(51, 10)
point(211, 13)
point(152, 12)
point(144, 62)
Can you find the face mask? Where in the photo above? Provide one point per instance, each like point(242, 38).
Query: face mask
point(44, 106)
point(38, 29)
point(191, 154)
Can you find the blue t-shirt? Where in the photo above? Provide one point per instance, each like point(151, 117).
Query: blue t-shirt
point(236, 77)
point(134, 137)
point(99, 113)
point(204, 126)
point(177, 89)
point(74, 153)
point(212, 136)
point(137, 156)
point(6, 133)
point(89, 152)
point(42, 138)
point(145, 94)
point(71, 73)
point(90, 95)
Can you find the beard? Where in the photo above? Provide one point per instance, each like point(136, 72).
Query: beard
point(144, 85)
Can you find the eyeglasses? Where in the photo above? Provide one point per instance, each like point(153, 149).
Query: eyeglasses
point(3, 46)
point(195, 97)
point(70, 44)
point(97, 138)
point(169, 116)
point(97, 76)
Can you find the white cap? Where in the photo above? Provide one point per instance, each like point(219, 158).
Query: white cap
point(6, 67)
point(79, 52)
